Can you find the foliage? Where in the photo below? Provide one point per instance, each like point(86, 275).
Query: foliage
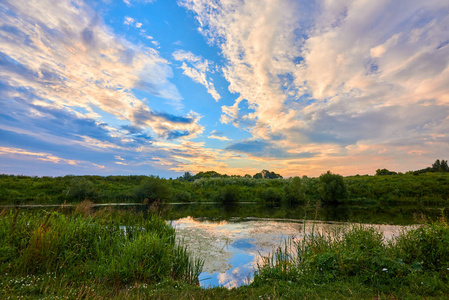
point(265, 174)
point(385, 172)
point(153, 189)
point(360, 254)
point(425, 188)
point(182, 196)
point(229, 194)
point(81, 189)
point(116, 248)
point(332, 187)
point(295, 190)
point(271, 195)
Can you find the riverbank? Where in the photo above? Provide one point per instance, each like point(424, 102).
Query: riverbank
point(404, 189)
point(110, 254)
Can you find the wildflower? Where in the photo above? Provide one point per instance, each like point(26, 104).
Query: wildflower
point(384, 270)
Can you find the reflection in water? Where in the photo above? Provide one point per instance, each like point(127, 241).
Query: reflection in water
point(231, 250)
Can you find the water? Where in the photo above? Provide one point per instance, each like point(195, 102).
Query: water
point(232, 249)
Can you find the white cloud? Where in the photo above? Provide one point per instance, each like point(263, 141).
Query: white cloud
point(334, 72)
point(131, 2)
point(197, 71)
point(218, 136)
point(129, 21)
point(68, 59)
point(15, 153)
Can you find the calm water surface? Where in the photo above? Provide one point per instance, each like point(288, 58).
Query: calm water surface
point(232, 249)
point(233, 239)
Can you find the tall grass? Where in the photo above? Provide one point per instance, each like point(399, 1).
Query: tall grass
point(417, 259)
point(109, 247)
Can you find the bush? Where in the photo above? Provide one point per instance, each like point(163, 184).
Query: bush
point(295, 191)
point(182, 196)
point(153, 189)
point(271, 195)
point(81, 188)
point(426, 246)
point(229, 194)
point(332, 187)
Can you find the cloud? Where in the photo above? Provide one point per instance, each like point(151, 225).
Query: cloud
point(47, 157)
point(129, 21)
point(197, 71)
point(131, 2)
point(218, 136)
point(67, 86)
point(339, 74)
point(266, 149)
point(77, 64)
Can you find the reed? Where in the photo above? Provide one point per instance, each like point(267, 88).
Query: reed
point(114, 248)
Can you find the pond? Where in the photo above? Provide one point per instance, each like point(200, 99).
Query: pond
point(233, 239)
point(232, 249)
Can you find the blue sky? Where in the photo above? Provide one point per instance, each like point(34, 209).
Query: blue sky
point(236, 86)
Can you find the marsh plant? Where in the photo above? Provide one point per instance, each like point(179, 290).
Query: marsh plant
point(114, 248)
point(358, 255)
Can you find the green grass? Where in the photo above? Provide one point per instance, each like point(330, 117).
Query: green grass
point(416, 263)
point(87, 254)
point(44, 251)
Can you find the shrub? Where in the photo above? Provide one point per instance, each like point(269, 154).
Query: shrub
point(270, 195)
point(229, 194)
point(295, 190)
point(182, 196)
point(153, 189)
point(81, 188)
point(332, 187)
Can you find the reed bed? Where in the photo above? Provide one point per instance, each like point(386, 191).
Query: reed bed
point(114, 249)
point(416, 261)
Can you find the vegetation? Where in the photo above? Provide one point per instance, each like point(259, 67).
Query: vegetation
point(422, 188)
point(112, 248)
point(332, 188)
point(358, 258)
point(117, 255)
point(82, 252)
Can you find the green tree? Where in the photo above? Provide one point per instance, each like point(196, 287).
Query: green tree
point(271, 195)
point(385, 172)
point(295, 190)
point(153, 189)
point(229, 194)
point(332, 187)
point(81, 189)
point(266, 175)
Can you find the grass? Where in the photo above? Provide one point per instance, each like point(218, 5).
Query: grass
point(45, 251)
point(111, 254)
point(357, 258)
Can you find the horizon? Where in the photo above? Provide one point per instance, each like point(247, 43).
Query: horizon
point(152, 87)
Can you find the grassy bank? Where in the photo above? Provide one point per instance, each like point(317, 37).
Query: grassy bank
point(87, 255)
point(73, 254)
point(353, 259)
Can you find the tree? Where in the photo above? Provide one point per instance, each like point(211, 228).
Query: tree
point(385, 172)
point(332, 187)
point(153, 189)
point(271, 195)
point(436, 165)
point(266, 175)
point(295, 190)
point(229, 194)
point(444, 166)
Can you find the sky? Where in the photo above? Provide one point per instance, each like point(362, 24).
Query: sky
point(162, 87)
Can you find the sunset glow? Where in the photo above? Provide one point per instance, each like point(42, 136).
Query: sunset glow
point(163, 87)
